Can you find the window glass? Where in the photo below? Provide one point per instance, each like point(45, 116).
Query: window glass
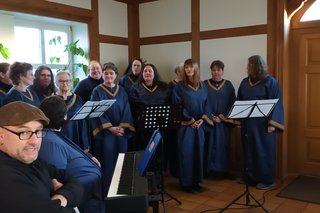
point(313, 13)
point(27, 45)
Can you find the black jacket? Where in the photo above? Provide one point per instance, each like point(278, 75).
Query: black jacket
point(27, 188)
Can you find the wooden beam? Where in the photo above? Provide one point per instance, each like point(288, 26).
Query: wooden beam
point(233, 32)
point(48, 9)
point(166, 39)
point(113, 39)
point(133, 31)
point(93, 32)
point(195, 30)
point(135, 1)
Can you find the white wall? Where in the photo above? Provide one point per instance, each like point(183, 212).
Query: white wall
point(86, 4)
point(166, 56)
point(113, 18)
point(219, 14)
point(234, 52)
point(7, 33)
point(113, 21)
point(174, 16)
point(118, 54)
point(165, 17)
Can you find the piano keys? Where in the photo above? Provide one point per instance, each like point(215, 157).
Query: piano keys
point(128, 191)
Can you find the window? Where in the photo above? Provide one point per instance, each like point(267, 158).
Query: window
point(312, 13)
point(31, 41)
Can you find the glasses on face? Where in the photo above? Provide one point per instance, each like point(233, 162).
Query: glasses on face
point(65, 81)
point(26, 135)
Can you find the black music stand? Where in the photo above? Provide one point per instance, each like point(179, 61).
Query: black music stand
point(93, 109)
point(160, 117)
point(247, 110)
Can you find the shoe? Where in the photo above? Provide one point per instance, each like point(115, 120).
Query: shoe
point(263, 186)
point(197, 188)
point(187, 189)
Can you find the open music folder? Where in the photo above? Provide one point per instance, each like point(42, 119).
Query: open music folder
point(93, 109)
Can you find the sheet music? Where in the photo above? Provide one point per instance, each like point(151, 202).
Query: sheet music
point(93, 109)
point(252, 108)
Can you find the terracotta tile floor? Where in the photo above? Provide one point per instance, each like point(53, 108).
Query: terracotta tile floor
point(219, 193)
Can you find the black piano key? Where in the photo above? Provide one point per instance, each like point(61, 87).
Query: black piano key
point(127, 175)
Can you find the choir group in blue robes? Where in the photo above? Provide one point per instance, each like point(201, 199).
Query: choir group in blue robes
point(76, 130)
point(106, 146)
point(259, 145)
point(61, 152)
point(190, 140)
point(221, 96)
point(29, 96)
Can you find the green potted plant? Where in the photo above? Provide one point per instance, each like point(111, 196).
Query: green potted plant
point(74, 50)
point(4, 51)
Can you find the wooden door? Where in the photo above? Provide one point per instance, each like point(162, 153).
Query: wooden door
point(309, 104)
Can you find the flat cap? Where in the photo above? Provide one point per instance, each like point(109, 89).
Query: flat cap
point(18, 112)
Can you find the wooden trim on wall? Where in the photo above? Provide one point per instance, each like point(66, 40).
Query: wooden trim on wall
point(295, 19)
point(49, 9)
point(113, 39)
point(93, 31)
point(166, 39)
point(195, 30)
point(233, 32)
point(133, 31)
point(135, 1)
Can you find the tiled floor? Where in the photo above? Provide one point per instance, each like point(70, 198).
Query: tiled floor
point(219, 193)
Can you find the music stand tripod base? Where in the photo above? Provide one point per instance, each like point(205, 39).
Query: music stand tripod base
point(248, 196)
point(161, 117)
point(246, 110)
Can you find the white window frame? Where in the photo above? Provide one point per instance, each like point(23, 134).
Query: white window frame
point(46, 26)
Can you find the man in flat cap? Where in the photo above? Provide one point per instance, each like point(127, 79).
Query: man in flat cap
point(29, 185)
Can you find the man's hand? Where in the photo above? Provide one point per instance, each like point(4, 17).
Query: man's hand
point(57, 185)
point(96, 161)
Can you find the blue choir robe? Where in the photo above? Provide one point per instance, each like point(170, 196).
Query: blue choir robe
point(173, 140)
point(4, 88)
point(221, 96)
point(76, 130)
point(190, 140)
point(141, 96)
point(127, 81)
point(259, 145)
point(107, 146)
point(2, 98)
point(84, 88)
point(28, 96)
point(61, 152)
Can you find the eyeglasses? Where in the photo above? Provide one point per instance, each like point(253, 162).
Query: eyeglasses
point(28, 134)
point(65, 81)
